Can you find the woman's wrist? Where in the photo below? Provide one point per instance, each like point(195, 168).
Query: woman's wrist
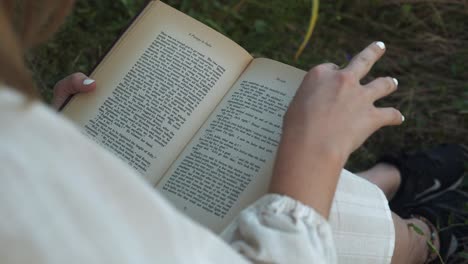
point(314, 141)
point(307, 171)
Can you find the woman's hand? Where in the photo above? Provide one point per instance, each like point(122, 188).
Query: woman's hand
point(70, 85)
point(331, 115)
point(331, 107)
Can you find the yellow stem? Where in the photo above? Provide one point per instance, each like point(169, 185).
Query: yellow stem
point(310, 30)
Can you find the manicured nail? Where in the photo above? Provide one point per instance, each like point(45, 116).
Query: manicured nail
point(88, 81)
point(395, 81)
point(380, 44)
point(402, 118)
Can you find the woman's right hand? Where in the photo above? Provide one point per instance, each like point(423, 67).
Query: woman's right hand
point(331, 107)
point(331, 115)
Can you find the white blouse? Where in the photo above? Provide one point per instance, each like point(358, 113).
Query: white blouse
point(63, 199)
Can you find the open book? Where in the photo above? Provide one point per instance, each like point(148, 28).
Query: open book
point(191, 111)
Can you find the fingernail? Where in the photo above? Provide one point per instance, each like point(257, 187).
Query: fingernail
point(402, 118)
point(380, 44)
point(395, 81)
point(88, 81)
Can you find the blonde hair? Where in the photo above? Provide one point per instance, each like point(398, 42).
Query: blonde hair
point(24, 24)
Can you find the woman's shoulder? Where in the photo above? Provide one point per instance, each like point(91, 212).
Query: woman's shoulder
point(36, 136)
point(21, 116)
point(14, 106)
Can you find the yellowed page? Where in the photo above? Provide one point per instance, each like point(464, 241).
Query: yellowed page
point(228, 164)
point(156, 88)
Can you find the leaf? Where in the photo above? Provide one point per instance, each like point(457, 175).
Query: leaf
point(431, 246)
point(126, 3)
point(416, 229)
point(463, 255)
point(451, 219)
point(260, 26)
point(433, 249)
point(406, 9)
point(130, 5)
point(454, 69)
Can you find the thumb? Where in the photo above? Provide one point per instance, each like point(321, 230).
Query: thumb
point(70, 85)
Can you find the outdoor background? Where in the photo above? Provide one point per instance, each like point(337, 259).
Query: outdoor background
point(427, 51)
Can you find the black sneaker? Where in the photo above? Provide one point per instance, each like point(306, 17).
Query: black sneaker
point(427, 174)
point(448, 213)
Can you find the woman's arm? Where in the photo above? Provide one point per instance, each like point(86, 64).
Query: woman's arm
point(331, 115)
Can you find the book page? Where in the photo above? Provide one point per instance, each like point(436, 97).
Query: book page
point(228, 164)
point(156, 87)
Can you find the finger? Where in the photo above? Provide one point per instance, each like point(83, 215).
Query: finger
point(381, 87)
point(321, 69)
point(389, 116)
point(363, 62)
point(331, 66)
point(75, 83)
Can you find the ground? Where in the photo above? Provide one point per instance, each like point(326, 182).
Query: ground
point(427, 52)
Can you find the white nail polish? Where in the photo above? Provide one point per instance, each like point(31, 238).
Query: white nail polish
point(402, 118)
point(395, 81)
point(88, 81)
point(380, 44)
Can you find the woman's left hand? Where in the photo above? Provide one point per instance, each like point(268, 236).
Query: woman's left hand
point(70, 85)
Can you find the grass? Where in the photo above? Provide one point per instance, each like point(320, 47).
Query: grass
point(427, 45)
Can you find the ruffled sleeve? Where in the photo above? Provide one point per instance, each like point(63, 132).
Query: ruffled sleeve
point(279, 229)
